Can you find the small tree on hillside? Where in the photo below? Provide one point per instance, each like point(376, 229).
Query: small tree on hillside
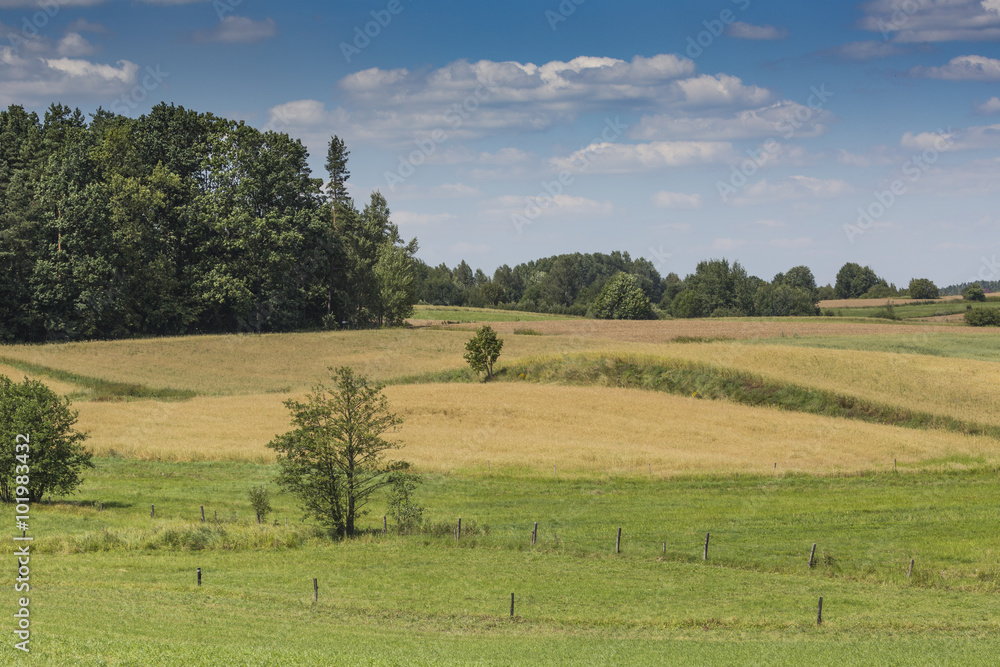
point(482, 350)
point(333, 459)
point(39, 448)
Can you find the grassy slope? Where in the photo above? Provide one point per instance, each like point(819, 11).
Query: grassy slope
point(427, 600)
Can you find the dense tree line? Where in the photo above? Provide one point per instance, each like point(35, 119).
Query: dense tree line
point(183, 222)
point(617, 287)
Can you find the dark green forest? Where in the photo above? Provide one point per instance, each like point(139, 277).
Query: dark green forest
point(181, 222)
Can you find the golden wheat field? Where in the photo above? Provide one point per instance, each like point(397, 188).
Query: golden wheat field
point(450, 427)
point(242, 381)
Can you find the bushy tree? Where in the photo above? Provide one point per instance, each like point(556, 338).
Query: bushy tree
point(260, 501)
point(482, 350)
point(688, 304)
point(974, 293)
point(54, 457)
point(853, 280)
point(622, 298)
point(333, 459)
point(783, 301)
point(405, 512)
point(983, 317)
point(922, 288)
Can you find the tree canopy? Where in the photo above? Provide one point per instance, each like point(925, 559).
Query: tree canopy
point(183, 222)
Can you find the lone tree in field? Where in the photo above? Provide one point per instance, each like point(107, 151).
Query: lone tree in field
point(922, 288)
point(333, 459)
point(622, 298)
point(483, 350)
point(53, 456)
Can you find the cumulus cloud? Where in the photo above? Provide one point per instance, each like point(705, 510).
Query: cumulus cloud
point(741, 30)
point(990, 106)
point(239, 30)
point(962, 68)
point(933, 20)
point(771, 121)
point(972, 138)
point(537, 206)
point(675, 200)
point(74, 45)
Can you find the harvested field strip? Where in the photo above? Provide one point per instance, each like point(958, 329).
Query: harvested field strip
point(96, 388)
point(705, 381)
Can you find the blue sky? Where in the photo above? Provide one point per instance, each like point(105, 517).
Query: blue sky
point(775, 133)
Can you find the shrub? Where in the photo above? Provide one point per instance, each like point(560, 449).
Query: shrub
point(260, 500)
point(983, 317)
point(688, 304)
point(404, 512)
point(922, 288)
point(622, 298)
point(482, 350)
point(974, 293)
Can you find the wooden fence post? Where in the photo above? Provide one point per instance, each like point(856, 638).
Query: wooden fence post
point(199, 576)
point(512, 605)
point(385, 526)
point(618, 542)
point(812, 555)
point(152, 511)
point(819, 612)
point(705, 554)
point(534, 534)
point(203, 514)
point(315, 590)
point(458, 531)
point(909, 571)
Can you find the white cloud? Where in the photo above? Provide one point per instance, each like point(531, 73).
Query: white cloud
point(456, 190)
point(771, 121)
point(933, 20)
point(962, 68)
point(666, 199)
point(876, 156)
point(83, 25)
point(625, 158)
point(239, 30)
point(727, 244)
point(792, 188)
point(74, 45)
point(536, 206)
point(990, 106)
point(972, 138)
point(741, 30)
point(464, 100)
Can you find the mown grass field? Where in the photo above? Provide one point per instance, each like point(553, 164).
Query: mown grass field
point(431, 599)
point(181, 423)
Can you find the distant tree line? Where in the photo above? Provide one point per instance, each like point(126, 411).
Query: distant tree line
point(617, 287)
point(182, 222)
